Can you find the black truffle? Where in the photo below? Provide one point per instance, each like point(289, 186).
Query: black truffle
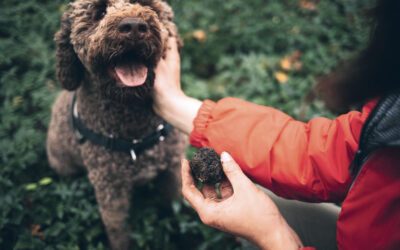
point(206, 166)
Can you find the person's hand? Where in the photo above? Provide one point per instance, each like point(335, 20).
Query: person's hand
point(167, 84)
point(169, 101)
point(247, 211)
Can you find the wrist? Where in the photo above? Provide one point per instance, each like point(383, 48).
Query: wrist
point(163, 101)
point(178, 109)
point(283, 237)
point(167, 103)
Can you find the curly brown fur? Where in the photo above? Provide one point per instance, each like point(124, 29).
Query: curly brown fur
point(374, 72)
point(88, 47)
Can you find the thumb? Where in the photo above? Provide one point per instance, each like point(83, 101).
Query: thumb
point(233, 172)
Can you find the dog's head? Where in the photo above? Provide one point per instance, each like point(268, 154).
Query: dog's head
point(114, 43)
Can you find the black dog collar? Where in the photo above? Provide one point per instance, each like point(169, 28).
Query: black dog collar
point(134, 146)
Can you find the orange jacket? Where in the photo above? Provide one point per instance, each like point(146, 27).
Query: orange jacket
point(309, 162)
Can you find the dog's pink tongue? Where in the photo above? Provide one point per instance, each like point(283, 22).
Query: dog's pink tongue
point(132, 75)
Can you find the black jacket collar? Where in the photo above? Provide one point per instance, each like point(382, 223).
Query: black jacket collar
point(382, 129)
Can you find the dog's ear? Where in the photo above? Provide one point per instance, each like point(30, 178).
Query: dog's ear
point(70, 71)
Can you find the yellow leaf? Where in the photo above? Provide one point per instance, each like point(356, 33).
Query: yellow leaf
point(281, 77)
point(291, 62)
point(286, 64)
point(200, 35)
point(17, 101)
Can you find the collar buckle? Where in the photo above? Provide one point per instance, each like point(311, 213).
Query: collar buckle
point(133, 155)
point(160, 128)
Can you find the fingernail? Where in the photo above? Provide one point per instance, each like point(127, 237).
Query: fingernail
point(225, 157)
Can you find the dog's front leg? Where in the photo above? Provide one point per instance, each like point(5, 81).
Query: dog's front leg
point(113, 192)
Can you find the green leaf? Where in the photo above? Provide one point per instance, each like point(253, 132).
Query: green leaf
point(45, 181)
point(31, 186)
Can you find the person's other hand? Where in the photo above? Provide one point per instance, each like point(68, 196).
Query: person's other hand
point(167, 84)
point(247, 211)
point(169, 101)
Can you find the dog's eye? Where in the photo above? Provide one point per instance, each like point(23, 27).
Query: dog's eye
point(99, 13)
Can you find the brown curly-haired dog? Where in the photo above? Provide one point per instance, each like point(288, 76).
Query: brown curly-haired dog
point(106, 54)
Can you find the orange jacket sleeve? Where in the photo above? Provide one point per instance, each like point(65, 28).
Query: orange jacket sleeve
point(306, 161)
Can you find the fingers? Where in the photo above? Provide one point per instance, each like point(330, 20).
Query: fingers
point(204, 207)
point(233, 172)
point(189, 190)
point(172, 52)
point(168, 71)
point(172, 44)
point(217, 193)
point(226, 190)
point(209, 192)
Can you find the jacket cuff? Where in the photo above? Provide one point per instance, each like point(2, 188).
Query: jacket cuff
point(200, 124)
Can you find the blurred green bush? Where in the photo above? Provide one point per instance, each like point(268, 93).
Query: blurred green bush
point(266, 51)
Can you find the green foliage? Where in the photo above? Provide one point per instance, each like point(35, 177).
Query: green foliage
point(232, 48)
point(245, 41)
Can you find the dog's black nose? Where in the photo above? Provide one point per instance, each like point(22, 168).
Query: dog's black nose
point(134, 26)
